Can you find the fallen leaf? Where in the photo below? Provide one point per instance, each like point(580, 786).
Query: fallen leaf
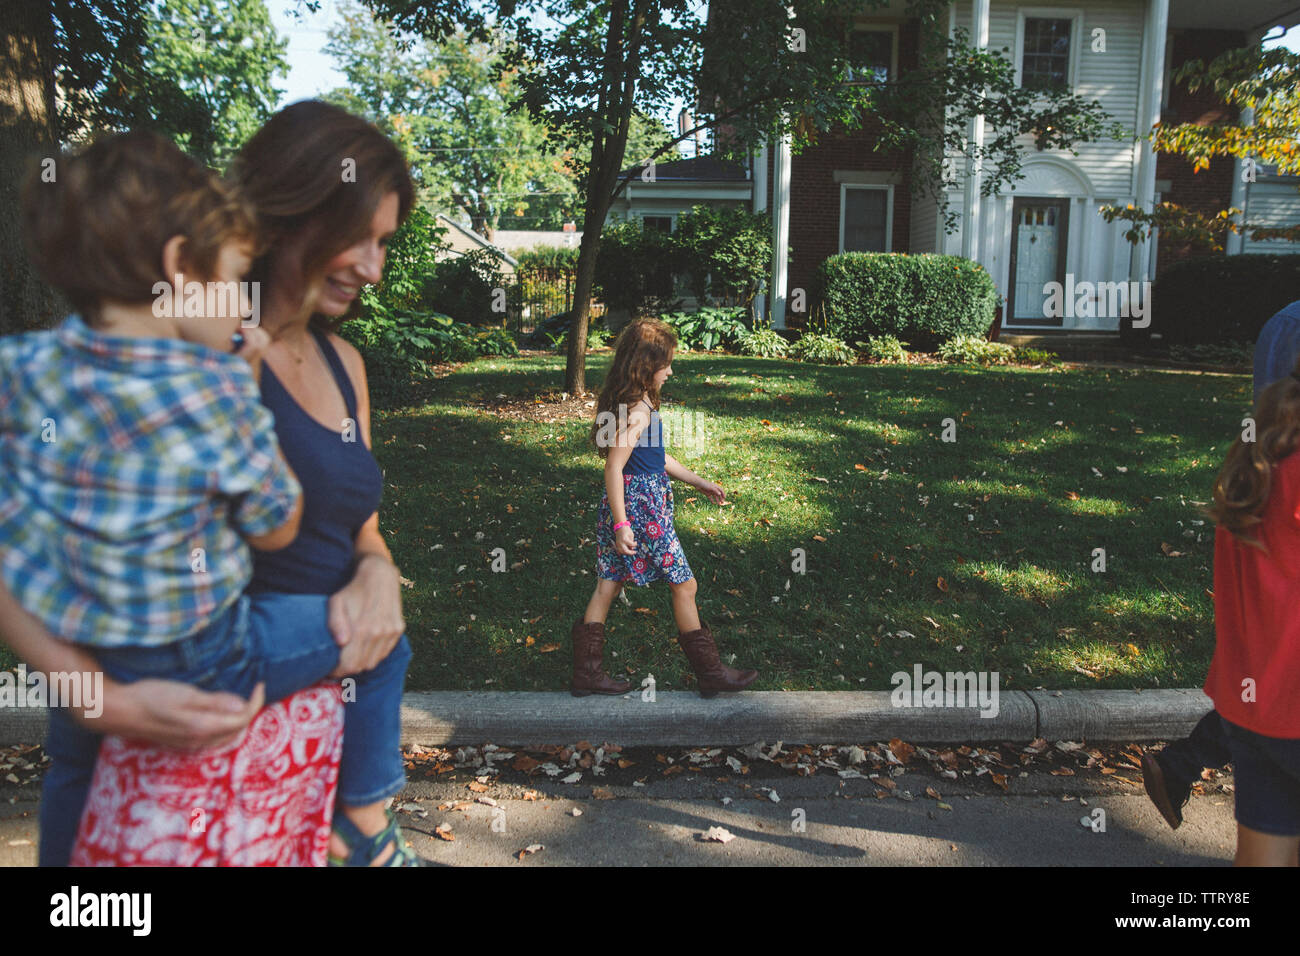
point(524, 763)
point(902, 750)
point(529, 850)
point(932, 793)
point(717, 835)
point(941, 584)
point(443, 832)
point(602, 793)
point(547, 648)
point(477, 787)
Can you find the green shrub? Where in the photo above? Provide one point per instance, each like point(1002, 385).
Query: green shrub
point(706, 329)
point(597, 336)
point(635, 268)
point(764, 343)
point(923, 299)
point(409, 267)
point(726, 253)
point(1028, 356)
point(824, 349)
point(884, 348)
point(398, 346)
point(561, 258)
point(1220, 299)
point(464, 287)
point(976, 350)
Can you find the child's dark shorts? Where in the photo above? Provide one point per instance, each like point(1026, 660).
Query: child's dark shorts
point(1267, 774)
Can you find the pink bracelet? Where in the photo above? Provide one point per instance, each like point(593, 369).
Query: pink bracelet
point(621, 524)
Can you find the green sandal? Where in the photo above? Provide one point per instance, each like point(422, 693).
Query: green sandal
point(362, 849)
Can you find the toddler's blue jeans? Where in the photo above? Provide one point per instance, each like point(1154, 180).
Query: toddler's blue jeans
point(282, 639)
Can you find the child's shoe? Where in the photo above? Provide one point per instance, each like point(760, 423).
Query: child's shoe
point(712, 675)
point(1169, 800)
point(589, 675)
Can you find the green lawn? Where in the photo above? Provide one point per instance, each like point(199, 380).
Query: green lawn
point(975, 554)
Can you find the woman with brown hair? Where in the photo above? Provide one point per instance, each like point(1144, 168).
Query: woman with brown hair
point(329, 191)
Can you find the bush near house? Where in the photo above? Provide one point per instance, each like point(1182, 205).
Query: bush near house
point(922, 299)
point(822, 349)
point(465, 288)
point(726, 253)
point(706, 329)
point(398, 346)
point(634, 269)
point(1214, 300)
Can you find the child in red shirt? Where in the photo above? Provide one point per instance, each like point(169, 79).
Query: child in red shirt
point(1254, 678)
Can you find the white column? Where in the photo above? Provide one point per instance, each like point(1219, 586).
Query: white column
point(759, 180)
point(971, 224)
point(1154, 33)
point(780, 229)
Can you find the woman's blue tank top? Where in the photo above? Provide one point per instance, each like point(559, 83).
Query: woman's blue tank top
point(341, 485)
point(647, 456)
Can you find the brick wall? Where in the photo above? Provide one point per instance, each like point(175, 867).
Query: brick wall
point(1210, 190)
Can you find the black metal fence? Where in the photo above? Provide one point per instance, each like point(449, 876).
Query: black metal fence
point(536, 294)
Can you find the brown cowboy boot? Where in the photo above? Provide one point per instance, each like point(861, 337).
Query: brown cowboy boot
point(589, 676)
point(712, 675)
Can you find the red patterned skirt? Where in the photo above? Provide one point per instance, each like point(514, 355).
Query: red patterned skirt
point(265, 800)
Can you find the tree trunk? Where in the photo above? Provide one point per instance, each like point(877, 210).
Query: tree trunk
point(575, 369)
point(27, 130)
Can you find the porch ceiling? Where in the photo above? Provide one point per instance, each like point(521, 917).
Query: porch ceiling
point(1237, 15)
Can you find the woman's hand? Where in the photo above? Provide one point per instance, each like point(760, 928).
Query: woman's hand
point(365, 617)
point(625, 540)
point(712, 491)
point(172, 714)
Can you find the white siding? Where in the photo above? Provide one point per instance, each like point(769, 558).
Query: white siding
point(925, 224)
point(1113, 78)
point(1273, 203)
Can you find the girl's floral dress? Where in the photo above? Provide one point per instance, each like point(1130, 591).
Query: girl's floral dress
point(648, 500)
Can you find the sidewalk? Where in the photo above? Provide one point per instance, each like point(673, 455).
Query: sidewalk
point(818, 820)
point(683, 718)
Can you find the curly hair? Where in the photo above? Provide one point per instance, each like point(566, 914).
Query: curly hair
point(1242, 488)
point(96, 228)
point(643, 348)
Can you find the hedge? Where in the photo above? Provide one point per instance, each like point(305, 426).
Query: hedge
point(1212, 300)
point(922, 299)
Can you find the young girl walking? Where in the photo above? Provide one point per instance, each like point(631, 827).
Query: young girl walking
point(1254, 678)
point(635, 537)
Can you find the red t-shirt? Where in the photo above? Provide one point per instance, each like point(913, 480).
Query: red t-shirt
point(1257, 616)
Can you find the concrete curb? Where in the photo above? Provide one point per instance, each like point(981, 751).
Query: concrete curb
point(682, 718)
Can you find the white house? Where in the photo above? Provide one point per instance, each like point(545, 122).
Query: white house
point(839, 195)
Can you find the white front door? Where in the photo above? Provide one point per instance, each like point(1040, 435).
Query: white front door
point(1038, 239)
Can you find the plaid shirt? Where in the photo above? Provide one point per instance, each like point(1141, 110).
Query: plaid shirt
point(128, 469)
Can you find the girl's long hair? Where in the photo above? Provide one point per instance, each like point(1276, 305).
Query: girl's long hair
point(1242, 488)
point(643, 348)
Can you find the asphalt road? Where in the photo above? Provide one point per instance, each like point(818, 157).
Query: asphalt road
point(820, 820)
